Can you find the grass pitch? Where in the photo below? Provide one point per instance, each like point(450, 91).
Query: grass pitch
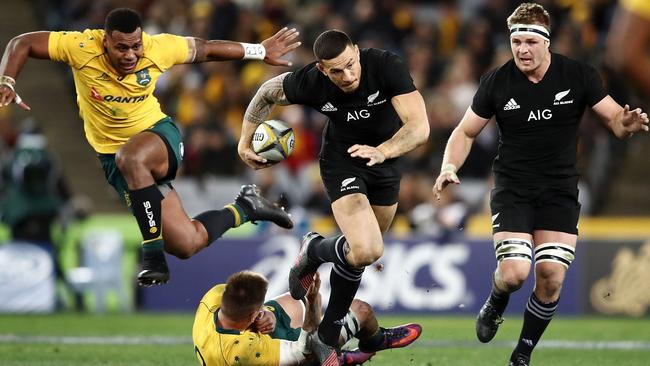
point(163, 339)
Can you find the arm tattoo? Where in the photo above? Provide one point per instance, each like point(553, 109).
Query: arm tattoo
point(270, 93)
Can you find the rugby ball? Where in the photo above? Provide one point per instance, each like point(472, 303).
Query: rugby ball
point(273, 140)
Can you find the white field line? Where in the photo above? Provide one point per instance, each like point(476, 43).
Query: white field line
point(172, 340)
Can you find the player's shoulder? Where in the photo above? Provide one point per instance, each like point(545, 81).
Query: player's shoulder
point(498, 75)
point(88, 41)
point(570, 63)
point(572, 68)
point(305, 82)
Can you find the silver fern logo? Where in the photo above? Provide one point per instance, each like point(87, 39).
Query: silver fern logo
point(558, 98)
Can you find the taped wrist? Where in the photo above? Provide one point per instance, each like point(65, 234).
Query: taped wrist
point(253, 51)
point(8, 81)
point(449, 167)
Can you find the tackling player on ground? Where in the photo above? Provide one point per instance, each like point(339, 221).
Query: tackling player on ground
point(115, 71)
point(538, 98)
point(233, 325)
point(375, 116)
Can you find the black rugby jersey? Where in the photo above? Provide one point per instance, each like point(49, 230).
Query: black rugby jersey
point(538, 123)
point(365, 116)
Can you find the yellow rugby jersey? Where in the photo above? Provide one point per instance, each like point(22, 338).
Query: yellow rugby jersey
point(639, 7)
point(215, 346)
point(112, 107)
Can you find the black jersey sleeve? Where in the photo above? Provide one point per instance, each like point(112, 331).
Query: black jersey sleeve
point(482, 103)
point(396, 75)
point(595, 92)
point(297, 85)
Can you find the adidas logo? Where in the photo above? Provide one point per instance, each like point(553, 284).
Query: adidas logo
point(511, 105)
point(103, 77)
point(328, 107)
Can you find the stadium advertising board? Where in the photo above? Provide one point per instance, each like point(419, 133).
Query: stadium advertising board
point(415, 275)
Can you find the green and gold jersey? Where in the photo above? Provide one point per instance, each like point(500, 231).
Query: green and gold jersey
point(215, 346)
point(639, 7)
point(115, 107)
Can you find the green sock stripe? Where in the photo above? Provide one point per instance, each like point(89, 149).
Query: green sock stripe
point(153, 245)
point(242, 214)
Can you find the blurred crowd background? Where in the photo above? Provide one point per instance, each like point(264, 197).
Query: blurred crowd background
point(448, 45)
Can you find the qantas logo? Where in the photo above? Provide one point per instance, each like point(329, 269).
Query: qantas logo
point(94, 94)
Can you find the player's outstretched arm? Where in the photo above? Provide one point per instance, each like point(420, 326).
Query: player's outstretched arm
point(270, 50)
point(458, 147)
point(621, 120)
point(269, 94)
point(21, 47)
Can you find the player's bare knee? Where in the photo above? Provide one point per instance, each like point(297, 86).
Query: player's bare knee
point(365, 256)
point(182, 251)
point(362, 309)
point(511, 278)
point(127, 162)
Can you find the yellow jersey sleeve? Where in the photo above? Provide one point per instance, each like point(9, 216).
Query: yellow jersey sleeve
point(75, 48)
point(214, 346)
point(166, 50)
point(638, 7)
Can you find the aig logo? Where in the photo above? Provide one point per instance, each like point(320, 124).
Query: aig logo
point(539, 115)
point(357, 115)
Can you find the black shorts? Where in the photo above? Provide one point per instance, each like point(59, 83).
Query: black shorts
point(526, 209)
point(379, 183)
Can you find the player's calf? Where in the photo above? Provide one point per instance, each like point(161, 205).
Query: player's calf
point(146, 207)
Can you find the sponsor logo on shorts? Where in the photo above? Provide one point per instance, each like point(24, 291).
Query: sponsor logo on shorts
point(345, 184)
point(494, 218)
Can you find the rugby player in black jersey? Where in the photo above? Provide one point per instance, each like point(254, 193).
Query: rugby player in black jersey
point(538, 98)
point(375, 115)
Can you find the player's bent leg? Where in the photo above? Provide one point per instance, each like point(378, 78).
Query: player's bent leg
point(183, 237)
point(553, 256)
point(140, 161)
point(351, 213)
point(514, 254)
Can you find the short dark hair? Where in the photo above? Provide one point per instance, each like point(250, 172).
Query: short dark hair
point(122, 20)
point(330, 44)
point(244, 294)
point(530, 13)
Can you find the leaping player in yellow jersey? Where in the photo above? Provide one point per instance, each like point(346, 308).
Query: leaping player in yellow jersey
point(140, 149)
point(234, 326)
